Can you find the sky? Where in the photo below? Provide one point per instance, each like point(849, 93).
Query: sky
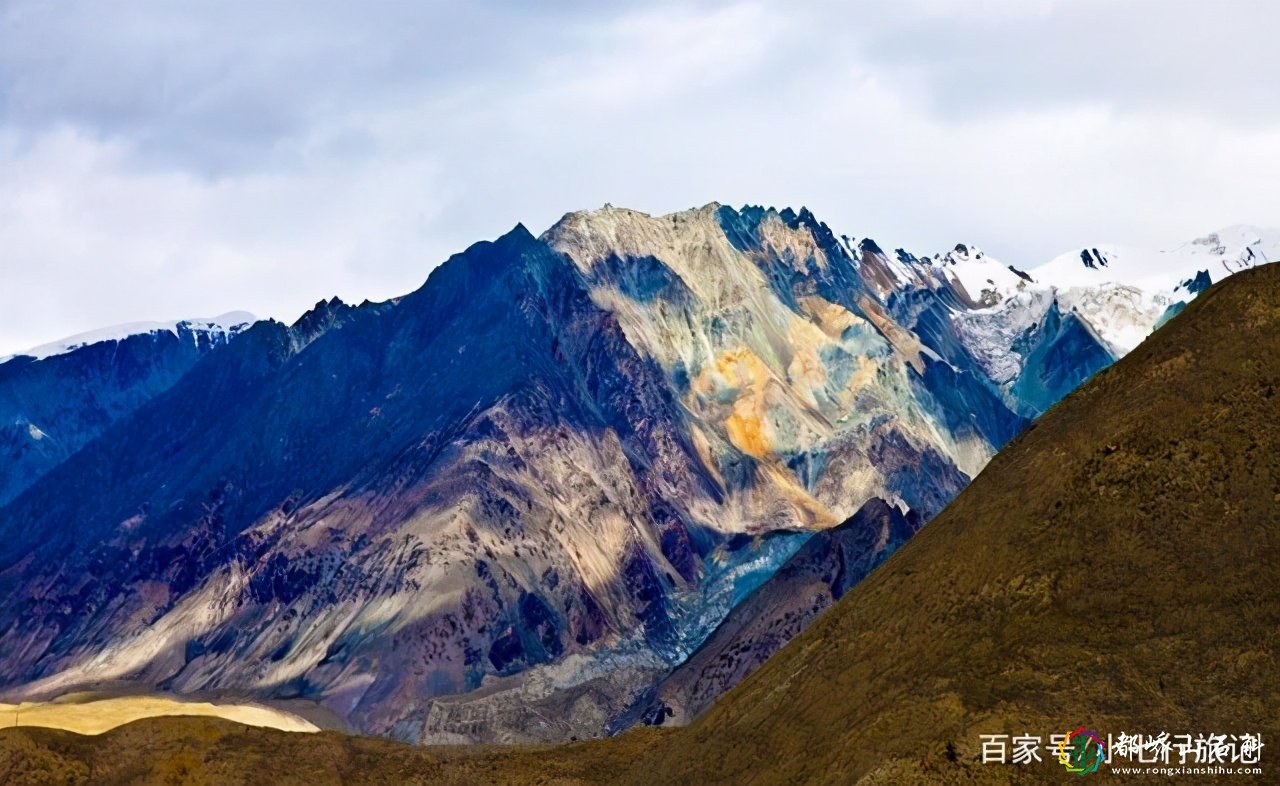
point(161, 160)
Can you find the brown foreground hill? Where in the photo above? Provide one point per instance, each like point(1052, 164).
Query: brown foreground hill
point(1117, 566)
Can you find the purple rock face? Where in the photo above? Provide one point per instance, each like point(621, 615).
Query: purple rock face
point(508, 505)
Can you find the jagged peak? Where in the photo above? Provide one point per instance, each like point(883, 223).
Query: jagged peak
point(965, 251)
point(512, 240)
point(517, 232)
point(868, 246)
point(588, 236)
point(323, 309)
point(610, 213)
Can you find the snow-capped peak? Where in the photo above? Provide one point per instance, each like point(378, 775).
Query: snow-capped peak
point(1220, 253)
point(1236, 247)
point(979, 279)
point(224, 325)
point(1125, 292)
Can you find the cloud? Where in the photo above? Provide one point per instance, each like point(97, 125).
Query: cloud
point(160, 160)
point(89, 237)
point(1204, 59)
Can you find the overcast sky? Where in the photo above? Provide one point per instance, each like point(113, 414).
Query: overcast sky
point(165, 159)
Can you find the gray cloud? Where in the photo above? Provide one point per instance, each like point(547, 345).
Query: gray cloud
point(162, 159)
point(1192, 57)
point(218, 85)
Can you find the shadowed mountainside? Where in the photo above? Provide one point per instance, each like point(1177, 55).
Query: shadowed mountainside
point(1117, 565)
point(51, 407)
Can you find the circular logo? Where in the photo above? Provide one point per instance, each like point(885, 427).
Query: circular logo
point(1081, 751)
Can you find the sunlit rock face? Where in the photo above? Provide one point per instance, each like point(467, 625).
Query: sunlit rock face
point(505, 506)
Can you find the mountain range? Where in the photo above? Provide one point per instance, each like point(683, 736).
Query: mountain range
point(573, 483)
point(1114, 566)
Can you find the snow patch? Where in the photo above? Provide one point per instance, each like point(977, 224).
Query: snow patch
point(225, 326)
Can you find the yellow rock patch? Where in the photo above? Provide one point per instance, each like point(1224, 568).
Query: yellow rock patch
point(831, 318)
point(746, 432)
point(746, 426)
point(96, 716)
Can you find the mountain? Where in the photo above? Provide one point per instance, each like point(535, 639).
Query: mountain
point(509, 505)
point(1116, 566)
point(56, 398)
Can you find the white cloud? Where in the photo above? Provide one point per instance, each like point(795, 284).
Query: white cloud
point(164, 160)
point(88, 238)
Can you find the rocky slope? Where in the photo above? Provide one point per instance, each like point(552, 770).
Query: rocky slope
point(508, 505)
point(829, 564)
